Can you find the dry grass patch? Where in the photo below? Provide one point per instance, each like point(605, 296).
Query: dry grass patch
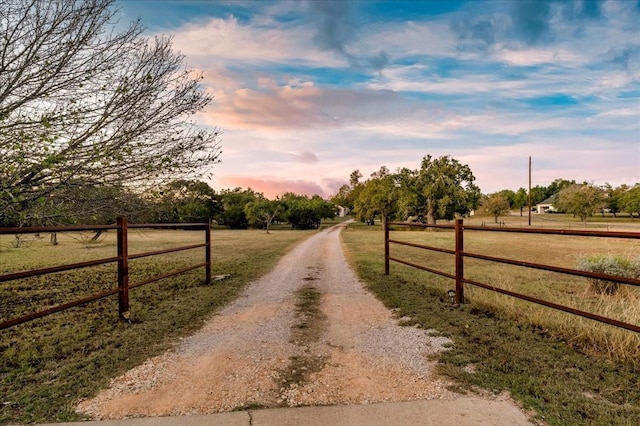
point(512, 345)
point(575, 292)
point(47, 365)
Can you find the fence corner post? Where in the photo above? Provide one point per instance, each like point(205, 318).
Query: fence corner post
point(459, 262)
point(386, 245)
point(207, 279)
point(123, 269)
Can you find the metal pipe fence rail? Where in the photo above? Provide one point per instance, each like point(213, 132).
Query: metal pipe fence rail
point(459, 254)
point(122, 260)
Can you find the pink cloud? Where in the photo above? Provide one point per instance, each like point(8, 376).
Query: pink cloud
point(273, 187)
point(268, 108)
point(333, 185)
point(305, 157)
point(295, 104)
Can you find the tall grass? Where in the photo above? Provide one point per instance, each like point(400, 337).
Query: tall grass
point(568, 369)
point(575, 292)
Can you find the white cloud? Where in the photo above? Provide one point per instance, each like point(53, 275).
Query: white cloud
point(227, 41)
point(478, 107)
point(621, 112)
point(409, 80)
point(539, 56)
point(412, 38)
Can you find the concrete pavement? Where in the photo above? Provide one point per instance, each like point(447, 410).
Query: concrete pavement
point(464, 411)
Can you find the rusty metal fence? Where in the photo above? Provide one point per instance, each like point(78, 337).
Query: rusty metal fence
point(122, 260)
point(459, 254)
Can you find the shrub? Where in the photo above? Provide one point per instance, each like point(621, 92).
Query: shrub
point(610, 265)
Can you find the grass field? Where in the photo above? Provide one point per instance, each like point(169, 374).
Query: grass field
point(570, 370)
point(48, 364)
point(562, 251)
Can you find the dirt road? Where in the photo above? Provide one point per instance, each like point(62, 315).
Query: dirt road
point(305, 334)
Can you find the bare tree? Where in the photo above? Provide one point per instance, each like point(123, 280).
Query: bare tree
point(82, 102)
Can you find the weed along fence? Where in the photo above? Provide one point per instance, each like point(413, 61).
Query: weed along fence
point(459, 254)
point(122, 259)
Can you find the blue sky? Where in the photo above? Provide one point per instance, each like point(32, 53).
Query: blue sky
point(308, 91)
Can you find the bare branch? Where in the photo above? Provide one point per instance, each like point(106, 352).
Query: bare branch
point(80, 101)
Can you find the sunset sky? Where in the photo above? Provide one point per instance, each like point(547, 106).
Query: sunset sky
point(308, 91)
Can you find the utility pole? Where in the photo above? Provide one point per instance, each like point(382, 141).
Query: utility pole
point(530, 206)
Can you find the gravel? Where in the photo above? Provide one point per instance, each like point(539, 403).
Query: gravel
point(238, 358)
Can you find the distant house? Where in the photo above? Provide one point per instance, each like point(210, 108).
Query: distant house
point(342, 211)
point(546, 206)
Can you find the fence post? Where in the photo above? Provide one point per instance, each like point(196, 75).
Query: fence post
point(459, 262)
point(207, 253)
point(123, 269)
point(386, 246)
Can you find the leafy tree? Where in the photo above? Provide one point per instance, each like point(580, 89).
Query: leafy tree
point(379, 196)
point(263, 211)
point(307, 213)
point(580, 200)
point(440, 189)
point(497, 205)
point(539, 194)
point(354, 178)
point(447, 187)
point(348, 194)
point(521, 200)
point(82, 104)
point(343, 197)
point(411, 201)
point(508, 195)
point(301, 215)
point(630, 200)
point(233, 202)
point(186, 201)
point(558, 185)
point(290, 198)
point(614, 197)
point(325, 209)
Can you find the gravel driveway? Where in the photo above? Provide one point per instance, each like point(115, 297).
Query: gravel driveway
point(305, 334)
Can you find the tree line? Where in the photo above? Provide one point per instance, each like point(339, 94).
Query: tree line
point(581, 200)
point(440, 189)
point(180, 201)
point(443, 188)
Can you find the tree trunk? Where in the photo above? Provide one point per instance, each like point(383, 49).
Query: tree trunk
point(431, 219)
point(96, 236)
